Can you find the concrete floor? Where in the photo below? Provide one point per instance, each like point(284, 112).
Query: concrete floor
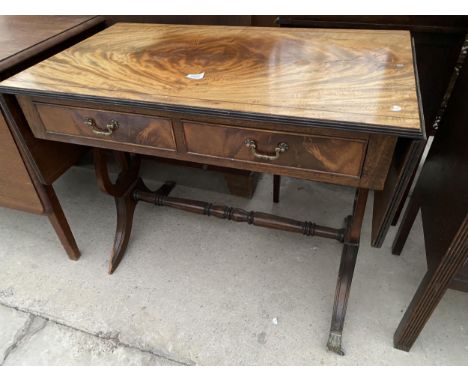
point(197, 290)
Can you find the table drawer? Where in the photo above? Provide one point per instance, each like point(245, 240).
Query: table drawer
point(330, 154)
point(125, 128)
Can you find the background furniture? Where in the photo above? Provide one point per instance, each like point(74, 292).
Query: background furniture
point(441, 194)
point(29, 166)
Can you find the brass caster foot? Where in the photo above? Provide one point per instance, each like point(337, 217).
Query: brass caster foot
point(334, 343)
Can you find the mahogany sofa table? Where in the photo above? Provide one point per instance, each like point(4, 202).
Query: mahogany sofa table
point(320, 105)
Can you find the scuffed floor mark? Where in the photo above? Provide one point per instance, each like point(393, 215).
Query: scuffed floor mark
point(261, 338)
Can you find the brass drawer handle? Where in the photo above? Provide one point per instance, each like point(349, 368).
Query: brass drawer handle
point(108, 130)
point(281, 148)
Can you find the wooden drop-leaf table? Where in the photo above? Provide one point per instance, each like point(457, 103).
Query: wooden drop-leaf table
point(320, 105)
point(29, 166)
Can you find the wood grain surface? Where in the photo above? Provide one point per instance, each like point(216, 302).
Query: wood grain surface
point(21, 37)
point(348, 76)
point(319, 153)
point(133, 128)
point(16, 187)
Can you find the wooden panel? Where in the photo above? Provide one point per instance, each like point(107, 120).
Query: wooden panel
point(22, 37)
point(427, 24)
point(183, 19)
point(386, 201)
point(362, 78)
point(16, 187)
point(133, 129)
point(312, 152)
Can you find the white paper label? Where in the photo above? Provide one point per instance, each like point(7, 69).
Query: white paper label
point(196, 76)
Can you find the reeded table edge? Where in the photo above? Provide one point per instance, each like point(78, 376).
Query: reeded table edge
point(347, 126)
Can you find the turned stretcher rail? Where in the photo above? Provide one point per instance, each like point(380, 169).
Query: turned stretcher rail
point(259, 219)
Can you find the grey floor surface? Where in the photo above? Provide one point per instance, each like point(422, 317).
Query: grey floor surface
point(197, 290)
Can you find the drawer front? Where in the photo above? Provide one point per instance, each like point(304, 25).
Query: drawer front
point(125, 128)
point(328, 154)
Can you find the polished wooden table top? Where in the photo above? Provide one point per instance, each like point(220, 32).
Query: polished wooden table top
point(330, 77)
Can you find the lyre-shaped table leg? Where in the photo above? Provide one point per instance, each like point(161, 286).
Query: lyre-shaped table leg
point(346, 271)
point(122, 191)
point(125, 208)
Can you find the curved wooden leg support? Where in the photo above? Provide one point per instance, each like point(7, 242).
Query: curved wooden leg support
point(346, 271)
point(122, 191)
point(125, 209)
point(343, 287)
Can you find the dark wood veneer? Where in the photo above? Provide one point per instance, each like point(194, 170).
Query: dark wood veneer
point(16, 187)
point(135, 129)
point(308, 152)
point(348, 158)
